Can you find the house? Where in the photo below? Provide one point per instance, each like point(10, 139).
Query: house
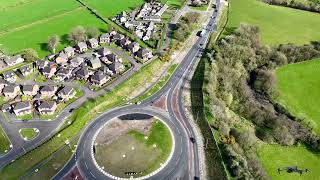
point(104, 38)
point(116, 67)
point(47, 107)
point(95, 63)
point(10, 76)
point(22, 108)
point(117, 37)
point(76, 62)
point(112, 57)
point(6, 108)
point(106, 71)
point(139, 33)
point(11, 91)
point(93, 43)
point(99, 78)
point(3, 83)
point(144, 54)
point(124, 43)
point(103, 51)
point(62, 58)
point(66, 93)
point(49, 71)
point(63, 73)
point(30, 90)
point(69, 51)
point(122, 17)
point(105, 60)
point(82, 47)
point(26, 70)
point(82, 73)
point(48, 91)
point(133, 47)
point(41, 64)
point(11, 61)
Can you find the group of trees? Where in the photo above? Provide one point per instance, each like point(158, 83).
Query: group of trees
point(242, 82)
point(185, 26)
point(77, 34)
point(312, 6)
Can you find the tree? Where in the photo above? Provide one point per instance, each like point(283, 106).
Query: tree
point(77, 34)
point(92, 32)
point(192, 17)
point(53, 42)
point(29, 54)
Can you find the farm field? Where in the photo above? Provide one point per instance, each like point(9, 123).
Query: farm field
point(299, 87)
point(37, 35)
point(12, 3)
point(14, 17)
point(275, 156)
point(111, 8)
point(278, 25)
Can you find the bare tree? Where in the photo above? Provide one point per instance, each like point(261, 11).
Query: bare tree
point(92, 32)
point(53, 42)
point(77, 34)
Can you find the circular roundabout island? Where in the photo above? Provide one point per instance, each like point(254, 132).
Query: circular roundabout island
point(133, 146)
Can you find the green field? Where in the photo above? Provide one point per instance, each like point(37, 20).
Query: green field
point(278, 25)
point(34, 11)
point(275, 156)
point(109, 8)
point(37, 35)
point(28, 133)
point(143, 159)
point(299, 87)
point(4, 142)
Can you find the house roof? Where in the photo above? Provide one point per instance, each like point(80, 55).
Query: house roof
point(62, 55)
point(105, 36)
point(95, 61)
point(104, 51)
point(63, 71)
point(116, 66)
point(26, 88)
point(26, 68)
point(22, 105)
point(9, 89)
point(9, 74)
point(83, 71)
point(66, 90)
point(2, 81)
point(143, 52)
point(47, 88)
point(112, 57)
point(132, 45)
point(82, 45)
point(9, 60)
point(47, 69)
point(47, 105)
point(68, 49)
point(93, 41)
point(98, 76)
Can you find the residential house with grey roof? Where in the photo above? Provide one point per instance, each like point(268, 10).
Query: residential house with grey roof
point(3, 83)
point(49, 71)
point(116, 67)
point(48, 91)
point(26, 70)
point(144, 54)
point(94, 63)
point(22, 108)
point(41, 64)
point(63, 73)
point(104, 38)
point(69, 51)
point(93, 43)
point(99, 78)
point(82, 73)
point(62, 58)
point(30, 90)
point(11, 61)
point(66, 93)
point(103, 51)
point(10, 76)
point(76, 62)
point(133, 47)
point(11, 91)
point(47, 107)
point(82, 47)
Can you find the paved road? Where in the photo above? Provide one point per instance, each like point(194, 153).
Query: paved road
point(185, 161)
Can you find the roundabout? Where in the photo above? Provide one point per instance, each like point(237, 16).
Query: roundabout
point(135, 152)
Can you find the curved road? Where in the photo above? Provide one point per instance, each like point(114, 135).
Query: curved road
point(185, 161)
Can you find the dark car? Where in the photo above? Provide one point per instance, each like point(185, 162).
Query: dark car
point(193, 140)
point(72, 109)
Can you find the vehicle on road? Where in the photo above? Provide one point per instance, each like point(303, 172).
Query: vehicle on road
point(71, 110)
point(193, 140)
point(202, 33)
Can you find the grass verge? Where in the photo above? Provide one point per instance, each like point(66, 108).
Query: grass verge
point(4, 142)
point(28, 133)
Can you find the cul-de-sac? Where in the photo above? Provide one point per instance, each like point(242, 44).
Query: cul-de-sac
point(159, 89)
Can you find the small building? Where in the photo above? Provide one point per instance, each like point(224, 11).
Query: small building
point(82, 73)
point(82, 47)
point(49, 71)
point(124, 43)
point(11, 91)
point(117, 37)
point(112, 57)
point(3, 83)
point(66, 93)
point(117, 67)
point(76, 62)
point(26, 70)
point(144, 54)
point(30, 90)
point(47, 107)
point(11, 61)
point(63, 73)
point(69, 51)
point(41, 64)
point(104, 38)
point(93, 43)
point(105, 60)
point(22, 108)
point(10, 76)
point(48, 91)
point(99, 78)
point(95, 63)
point(103, 51)
point(133, 47)
point(62, 58)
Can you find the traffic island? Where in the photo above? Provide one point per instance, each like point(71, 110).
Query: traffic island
point(29, 133)
point(133, 146)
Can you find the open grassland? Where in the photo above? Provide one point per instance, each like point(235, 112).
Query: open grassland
point(36, 10)
point(111, 8)
point(278, 25)
point(4, 142)
point(299, 87)
point(275, 156)
point(4, 4)
point(37, 35)
point(146, 157)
